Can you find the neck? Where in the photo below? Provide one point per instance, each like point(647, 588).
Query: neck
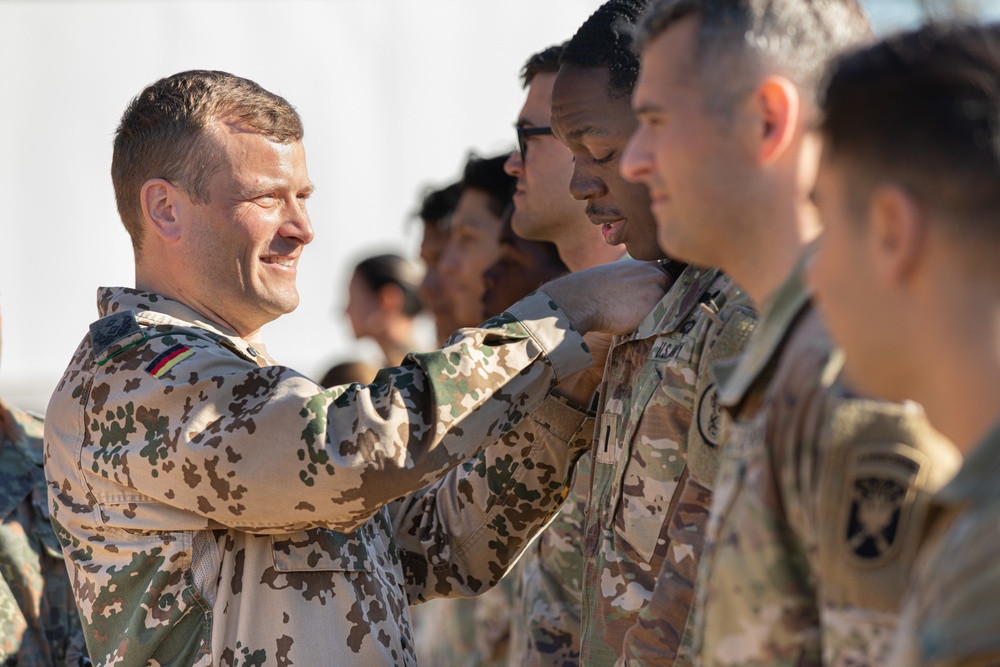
point(151, 279)
point(396, 341)
point(580, 251)
point(761, 268)
point(962, 395)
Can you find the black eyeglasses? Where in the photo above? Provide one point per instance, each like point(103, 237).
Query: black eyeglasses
point(524, 132)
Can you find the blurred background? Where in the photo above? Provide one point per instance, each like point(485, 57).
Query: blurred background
point(393, 94)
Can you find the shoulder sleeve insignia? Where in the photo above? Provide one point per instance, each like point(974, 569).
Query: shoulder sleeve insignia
point(873, 521)
point(166, 360)
point(112, 334)
point(881, 487)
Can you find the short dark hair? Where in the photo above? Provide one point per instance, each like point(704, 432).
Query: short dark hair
point(922, 109)
point(543, 62)
point(161, 134)
point(755, 37)
point(605, 40)
point(438, 205)
point(487, 174)
point(381, 270)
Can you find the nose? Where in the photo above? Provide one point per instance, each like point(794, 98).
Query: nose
point(297, 225)
point(490, 275)
point(448, 264)
point(514, 166)
point(584, 185)
point(636, 163)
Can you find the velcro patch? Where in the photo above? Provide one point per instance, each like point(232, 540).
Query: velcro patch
point(880, 496)
point(162, 364)
point(710, 416)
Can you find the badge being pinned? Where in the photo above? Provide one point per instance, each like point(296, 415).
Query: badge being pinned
point(162, 364)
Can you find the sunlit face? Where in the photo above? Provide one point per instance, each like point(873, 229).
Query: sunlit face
point(596, 127)
point(243, 246)
point(858, 313)
point(692, 166)
point(542, 201)
point(472, 248)
point(362, 307)
point(523, 266)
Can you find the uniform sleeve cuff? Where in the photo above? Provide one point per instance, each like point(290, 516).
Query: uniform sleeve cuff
point(550, 327)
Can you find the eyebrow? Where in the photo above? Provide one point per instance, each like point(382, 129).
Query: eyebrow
point(646, 107)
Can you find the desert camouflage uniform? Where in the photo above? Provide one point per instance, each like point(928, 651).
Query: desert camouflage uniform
point(951, 610)
point(657, 426)
point(818, 504)
point(198, 539)
point(39, 625)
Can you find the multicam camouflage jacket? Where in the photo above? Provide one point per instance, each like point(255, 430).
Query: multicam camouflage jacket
point(818, 505)
point(951, 609)
point(657, 426)
point(197, 538)
point(39, 626)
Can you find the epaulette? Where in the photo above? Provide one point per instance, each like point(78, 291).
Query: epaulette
point(113, 334)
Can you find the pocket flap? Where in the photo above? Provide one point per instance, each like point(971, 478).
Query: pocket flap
point(321, 549)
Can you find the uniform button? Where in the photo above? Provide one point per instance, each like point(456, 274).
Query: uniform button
point(253, 352)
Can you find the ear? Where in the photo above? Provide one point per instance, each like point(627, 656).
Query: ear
point(776, 105)
point(161, 203)
point(898, 232)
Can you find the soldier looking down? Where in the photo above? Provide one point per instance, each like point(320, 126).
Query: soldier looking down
point(650, 454)
point(217, 508)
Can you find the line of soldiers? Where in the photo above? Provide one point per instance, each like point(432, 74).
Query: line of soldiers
point(721, 443)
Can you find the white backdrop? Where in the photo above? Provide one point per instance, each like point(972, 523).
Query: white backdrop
point(393, 93)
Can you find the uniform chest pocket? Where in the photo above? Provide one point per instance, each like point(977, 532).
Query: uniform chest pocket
point(657, 455)
point(323, 550)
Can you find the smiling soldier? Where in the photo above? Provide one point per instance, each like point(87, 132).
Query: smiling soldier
point(217, 508)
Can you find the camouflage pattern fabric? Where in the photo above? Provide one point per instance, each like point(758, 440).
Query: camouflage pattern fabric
point(548, 595)
point(818, 504)
point(465, 632)
point(657, 424)
point(951, 609)
point(661, 634)
point(39, 625)
point(196, 538)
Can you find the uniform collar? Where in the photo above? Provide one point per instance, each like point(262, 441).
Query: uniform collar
point(677, 304)
point(152, 308)
point(778, 317)
point(976, 480)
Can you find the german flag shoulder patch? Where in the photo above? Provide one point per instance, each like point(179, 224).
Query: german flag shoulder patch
point(166, 360)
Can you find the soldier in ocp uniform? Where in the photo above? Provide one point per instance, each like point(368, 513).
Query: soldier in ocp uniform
point(821, 493)
point(909, 192)
point(217, 508)
point(652, 461)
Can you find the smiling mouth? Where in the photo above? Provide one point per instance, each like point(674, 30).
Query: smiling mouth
point(280, 261)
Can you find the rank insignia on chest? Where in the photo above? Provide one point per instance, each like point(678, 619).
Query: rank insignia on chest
point(166, 360)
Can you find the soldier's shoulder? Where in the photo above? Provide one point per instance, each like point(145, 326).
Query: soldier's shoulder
point(960, 588)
